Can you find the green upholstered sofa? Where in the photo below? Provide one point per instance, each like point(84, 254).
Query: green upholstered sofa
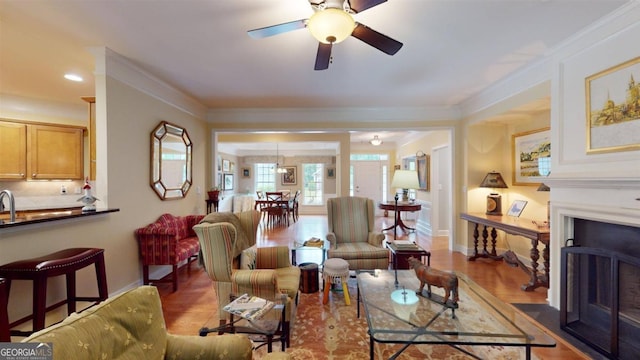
point(131, 326)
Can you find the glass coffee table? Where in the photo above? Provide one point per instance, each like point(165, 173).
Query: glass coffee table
point(479, 319)
point(301, 253)
point(265, 330)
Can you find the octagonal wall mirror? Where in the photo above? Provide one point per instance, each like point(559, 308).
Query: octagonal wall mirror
point(171, 150)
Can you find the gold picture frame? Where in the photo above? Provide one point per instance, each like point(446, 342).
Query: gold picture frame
point(531, 157)
point(423, 167)
point(612, 98)
point(290, 176)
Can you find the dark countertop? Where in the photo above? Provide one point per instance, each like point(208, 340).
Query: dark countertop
point(35, 217)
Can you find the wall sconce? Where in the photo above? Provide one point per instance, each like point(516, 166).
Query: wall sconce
point(494, 201)
point(375, 141)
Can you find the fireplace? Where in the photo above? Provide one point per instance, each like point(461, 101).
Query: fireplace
point(600, 287)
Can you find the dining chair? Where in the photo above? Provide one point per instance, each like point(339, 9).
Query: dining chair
point(262, 207)
point(293, 206)
point(277, 209)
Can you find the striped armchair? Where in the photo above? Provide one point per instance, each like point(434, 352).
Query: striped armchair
point(352, 235)
point(225, 238)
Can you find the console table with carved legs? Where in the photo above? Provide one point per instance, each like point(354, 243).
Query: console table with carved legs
point(514, 226)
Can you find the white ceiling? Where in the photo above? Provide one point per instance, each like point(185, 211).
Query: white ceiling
point(452, 49)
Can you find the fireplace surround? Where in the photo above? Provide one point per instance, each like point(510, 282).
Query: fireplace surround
point(600, 287)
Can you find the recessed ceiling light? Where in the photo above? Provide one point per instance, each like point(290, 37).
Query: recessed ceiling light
point(73, 77)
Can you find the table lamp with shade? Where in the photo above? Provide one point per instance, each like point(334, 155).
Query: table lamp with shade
point(404, 179)
point(544, 187)
point(494, 201)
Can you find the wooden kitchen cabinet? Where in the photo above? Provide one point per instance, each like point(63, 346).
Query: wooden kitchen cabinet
point(41, 152)
point(13, 147)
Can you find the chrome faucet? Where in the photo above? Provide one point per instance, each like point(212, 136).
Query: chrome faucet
point(12, 204)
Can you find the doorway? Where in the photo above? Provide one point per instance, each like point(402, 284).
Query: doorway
point(367, 180)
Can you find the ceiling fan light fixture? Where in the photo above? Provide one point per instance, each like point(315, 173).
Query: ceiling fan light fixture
point(375, 141)
point(331, 26)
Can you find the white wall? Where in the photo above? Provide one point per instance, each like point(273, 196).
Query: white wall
point(604, 186)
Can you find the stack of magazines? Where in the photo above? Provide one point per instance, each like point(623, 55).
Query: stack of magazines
point(249, 307)
point(404, 245)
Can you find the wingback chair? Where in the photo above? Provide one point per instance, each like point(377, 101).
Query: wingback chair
point(236, 267)
point(352, 235)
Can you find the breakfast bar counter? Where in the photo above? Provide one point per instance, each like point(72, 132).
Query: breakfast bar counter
point(24, 218)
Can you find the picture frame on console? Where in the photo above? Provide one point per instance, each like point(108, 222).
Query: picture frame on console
point(516, 208)
point(531, 156)
point(613, 108)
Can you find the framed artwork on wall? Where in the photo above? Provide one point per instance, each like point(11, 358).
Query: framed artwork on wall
point(228, 182)
point(331, 173)
point(613, 108)
point(289, 177)
point(225, 165)
point(246, 172)
point(422, 165)
point(531, 156)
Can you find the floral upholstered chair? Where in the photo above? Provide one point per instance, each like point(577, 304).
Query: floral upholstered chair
point(236, 266)
point(352, 235)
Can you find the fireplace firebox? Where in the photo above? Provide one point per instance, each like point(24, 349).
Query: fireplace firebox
point(600, 287)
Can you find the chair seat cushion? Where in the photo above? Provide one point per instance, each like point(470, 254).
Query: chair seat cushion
point(186, 248)
point(359, 250)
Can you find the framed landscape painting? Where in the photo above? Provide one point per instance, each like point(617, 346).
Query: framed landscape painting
point(531, 155)
point(613, 108)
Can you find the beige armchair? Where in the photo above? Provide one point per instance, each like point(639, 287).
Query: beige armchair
point(352, 235)
point(227, 241)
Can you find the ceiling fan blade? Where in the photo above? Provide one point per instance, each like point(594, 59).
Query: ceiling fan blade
point(277, 29)
point(379, 41)
point(362, 5)
point(323, 57)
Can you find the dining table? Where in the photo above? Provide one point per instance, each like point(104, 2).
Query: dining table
point(264, 203)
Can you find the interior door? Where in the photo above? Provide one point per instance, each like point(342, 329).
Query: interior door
point(367, 180)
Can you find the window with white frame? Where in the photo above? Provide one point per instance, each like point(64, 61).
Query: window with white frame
point(313, 184)
point(265, 177)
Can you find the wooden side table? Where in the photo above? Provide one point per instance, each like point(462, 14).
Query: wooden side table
point(210, 203)
point(399, 256)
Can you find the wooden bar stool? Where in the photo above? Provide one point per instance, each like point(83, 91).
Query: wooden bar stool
point(65, 262)
point(4, 317)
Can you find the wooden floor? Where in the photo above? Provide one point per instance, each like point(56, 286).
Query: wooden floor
point(190, 307)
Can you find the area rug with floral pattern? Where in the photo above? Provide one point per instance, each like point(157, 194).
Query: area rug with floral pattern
point(333, 331)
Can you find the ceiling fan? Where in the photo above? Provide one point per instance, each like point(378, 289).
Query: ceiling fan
point(331, 23)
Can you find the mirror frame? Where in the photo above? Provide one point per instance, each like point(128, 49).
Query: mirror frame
point(158, 135)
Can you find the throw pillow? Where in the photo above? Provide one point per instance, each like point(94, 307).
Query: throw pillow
point(248, 258)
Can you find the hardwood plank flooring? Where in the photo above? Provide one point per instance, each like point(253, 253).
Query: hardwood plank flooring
point(193, 304)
